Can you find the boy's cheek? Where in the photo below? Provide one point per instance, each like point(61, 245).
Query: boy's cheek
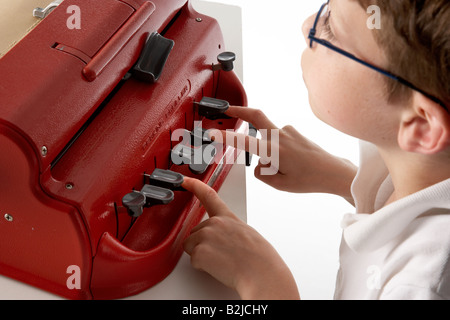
point(311, 77)
point(328, 99)
point(318, 69)
point(306, 66)
point(332, 91)
point(315, 74)
point(344, 95)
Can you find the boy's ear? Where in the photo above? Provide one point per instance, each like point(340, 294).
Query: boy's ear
point(424, 127)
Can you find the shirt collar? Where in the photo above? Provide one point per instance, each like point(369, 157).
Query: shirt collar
point(368, 232)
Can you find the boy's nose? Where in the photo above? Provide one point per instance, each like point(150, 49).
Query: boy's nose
point(307, 25)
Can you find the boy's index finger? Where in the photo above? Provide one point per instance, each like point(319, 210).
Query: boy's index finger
point(254, 116)
point(207, 196)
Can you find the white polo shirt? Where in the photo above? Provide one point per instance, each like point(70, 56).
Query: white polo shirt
point(400, 251)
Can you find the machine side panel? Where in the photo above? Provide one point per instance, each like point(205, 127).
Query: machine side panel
point(41, 239)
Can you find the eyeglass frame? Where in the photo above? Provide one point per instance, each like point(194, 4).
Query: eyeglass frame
point(312, 37)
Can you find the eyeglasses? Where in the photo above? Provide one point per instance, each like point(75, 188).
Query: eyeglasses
point(312, 37)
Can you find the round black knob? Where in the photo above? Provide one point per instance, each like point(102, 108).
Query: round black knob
point(226, 59)
point(134, 202)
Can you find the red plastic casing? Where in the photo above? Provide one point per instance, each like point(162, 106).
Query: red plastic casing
point(66, 207)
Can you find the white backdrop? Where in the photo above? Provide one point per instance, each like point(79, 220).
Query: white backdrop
point(305, 229)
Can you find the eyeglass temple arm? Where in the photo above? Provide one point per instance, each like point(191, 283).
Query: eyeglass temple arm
point(375, 68)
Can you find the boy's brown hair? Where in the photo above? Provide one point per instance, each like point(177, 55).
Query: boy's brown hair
point(415, 36)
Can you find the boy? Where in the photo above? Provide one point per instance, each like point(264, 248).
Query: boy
point(397, 245)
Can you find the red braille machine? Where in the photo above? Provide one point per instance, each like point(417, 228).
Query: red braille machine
point(88, 181)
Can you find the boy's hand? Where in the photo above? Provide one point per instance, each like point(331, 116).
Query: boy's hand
point(234, 253)
point(303, 166)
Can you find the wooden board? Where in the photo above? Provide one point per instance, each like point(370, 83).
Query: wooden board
point(16, 21)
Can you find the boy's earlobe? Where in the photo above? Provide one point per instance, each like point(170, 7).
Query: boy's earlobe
point(425, 127)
